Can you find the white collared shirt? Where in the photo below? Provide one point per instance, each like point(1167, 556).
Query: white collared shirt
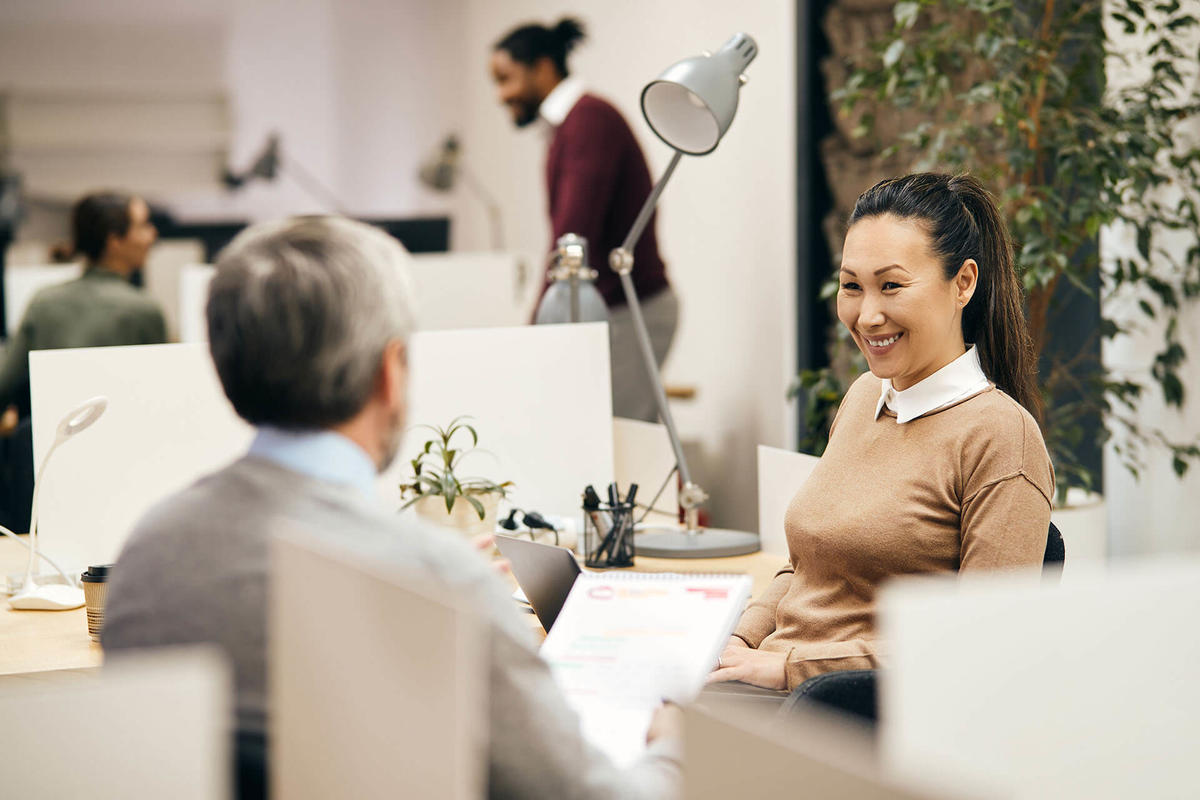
point(560, 101)
point(961, 378)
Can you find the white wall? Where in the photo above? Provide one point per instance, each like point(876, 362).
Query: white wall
point(726, 222)
point(1159, 512)
point(363, 90)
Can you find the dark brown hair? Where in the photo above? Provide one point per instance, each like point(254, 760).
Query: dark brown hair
point(529, 43)
point(963, 222)
point(95, 217)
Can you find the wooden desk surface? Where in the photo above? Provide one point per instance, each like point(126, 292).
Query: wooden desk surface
point(35, 641)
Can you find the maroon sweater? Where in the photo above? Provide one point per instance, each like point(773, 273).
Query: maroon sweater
point(597, 180)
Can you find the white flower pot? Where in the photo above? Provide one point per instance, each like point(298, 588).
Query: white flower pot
point(463, 517)
point(1083, 522)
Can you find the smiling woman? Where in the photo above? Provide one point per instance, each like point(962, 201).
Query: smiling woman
point(935, 462)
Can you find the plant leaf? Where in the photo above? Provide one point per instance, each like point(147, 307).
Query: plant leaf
point(478, 506)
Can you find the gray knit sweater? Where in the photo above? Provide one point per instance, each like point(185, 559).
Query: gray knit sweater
point(196, 570)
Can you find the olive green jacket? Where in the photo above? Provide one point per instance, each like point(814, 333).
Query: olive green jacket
point(98, 309)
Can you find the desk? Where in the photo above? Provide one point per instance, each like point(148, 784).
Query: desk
point(36, 641)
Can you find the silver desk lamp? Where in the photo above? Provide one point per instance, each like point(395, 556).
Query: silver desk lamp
point(445, 169)
point(689, 106)
point(572, 295)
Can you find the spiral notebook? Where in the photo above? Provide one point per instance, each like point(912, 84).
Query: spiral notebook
point(623, 642)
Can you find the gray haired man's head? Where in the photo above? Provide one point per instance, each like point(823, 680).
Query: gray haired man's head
point(299, 314)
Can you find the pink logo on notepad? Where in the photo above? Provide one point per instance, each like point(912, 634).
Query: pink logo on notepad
point(601, 592)
point(711, 594)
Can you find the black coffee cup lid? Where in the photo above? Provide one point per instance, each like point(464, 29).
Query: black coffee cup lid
point(96, 574)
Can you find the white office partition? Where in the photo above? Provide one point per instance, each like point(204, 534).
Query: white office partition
point(377, 680)
point(469, 290)
point(781, 473)
point(1082, 690)
point(164, 266)
point(193, 295)
point(21, 283)
point(167, 423)
point(642, 454)
point(454, 291)
point(733, 751)
point(540, 397)
point(146, 726)
point(27, 251)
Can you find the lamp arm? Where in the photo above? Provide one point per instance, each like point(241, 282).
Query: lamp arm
point(621, 261)
point(489, 203)
point(33, 520)
point(651, 365)
point(643, 217)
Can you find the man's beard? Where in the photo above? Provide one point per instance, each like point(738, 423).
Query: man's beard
point(391, 444)
point(527, 113)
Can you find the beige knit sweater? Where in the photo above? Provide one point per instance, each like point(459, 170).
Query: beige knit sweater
point(965, 487)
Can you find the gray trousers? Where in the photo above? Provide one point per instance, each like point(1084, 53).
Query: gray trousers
point(633, 395)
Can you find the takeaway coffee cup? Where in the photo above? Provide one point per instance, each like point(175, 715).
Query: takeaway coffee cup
point(95, 590)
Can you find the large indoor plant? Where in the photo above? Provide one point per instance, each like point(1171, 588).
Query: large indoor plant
point(1014, 92)
point(435, 489)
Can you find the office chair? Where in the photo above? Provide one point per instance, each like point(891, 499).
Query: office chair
point(854, 691)
point(251, 778)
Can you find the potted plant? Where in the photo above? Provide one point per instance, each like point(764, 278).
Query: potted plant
point(435, 490)
point(1014, 92)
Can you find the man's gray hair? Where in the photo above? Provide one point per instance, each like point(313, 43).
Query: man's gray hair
point(299, 313)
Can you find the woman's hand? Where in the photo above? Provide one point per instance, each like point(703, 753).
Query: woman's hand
point(757, 667)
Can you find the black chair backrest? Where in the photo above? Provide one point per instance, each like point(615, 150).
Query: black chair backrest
point(1056, 549)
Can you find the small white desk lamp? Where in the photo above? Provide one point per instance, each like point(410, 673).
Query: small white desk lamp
point(53, 596)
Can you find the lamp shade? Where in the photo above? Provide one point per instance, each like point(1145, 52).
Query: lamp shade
point(691, 104)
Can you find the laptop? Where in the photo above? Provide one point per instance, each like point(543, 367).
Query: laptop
point(545, 573)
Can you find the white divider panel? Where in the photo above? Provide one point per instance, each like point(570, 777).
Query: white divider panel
point(642, 454)
point(733, 751)
point(22, 283)
point(164, 265)
point(454, 291)
point(193, 295)
point(781, 473)
point(1082, 690)
point(147, 726)
point(540, 396)
point(168, 422)
point(541, 400)
point(468, 290)
point(358, 710)
point(27, 251)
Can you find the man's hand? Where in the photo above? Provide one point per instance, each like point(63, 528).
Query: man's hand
point(756, 667)
point(667, 723)
point(485, 543)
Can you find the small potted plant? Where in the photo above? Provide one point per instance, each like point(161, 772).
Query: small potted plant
point(435, 491)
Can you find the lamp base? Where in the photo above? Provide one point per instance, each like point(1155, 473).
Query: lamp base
point(50, 597)
point(705, 543)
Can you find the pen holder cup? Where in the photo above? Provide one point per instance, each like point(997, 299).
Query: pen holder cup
point(608, 536)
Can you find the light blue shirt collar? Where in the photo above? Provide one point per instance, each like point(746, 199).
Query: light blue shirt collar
point(324, 455)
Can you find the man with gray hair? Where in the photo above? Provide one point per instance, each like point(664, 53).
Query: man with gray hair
point(307, 325)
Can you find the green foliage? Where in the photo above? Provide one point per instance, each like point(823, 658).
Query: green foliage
point(433, 470)
point(1011, 92)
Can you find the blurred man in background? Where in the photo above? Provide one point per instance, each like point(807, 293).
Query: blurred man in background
point(597, 181)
